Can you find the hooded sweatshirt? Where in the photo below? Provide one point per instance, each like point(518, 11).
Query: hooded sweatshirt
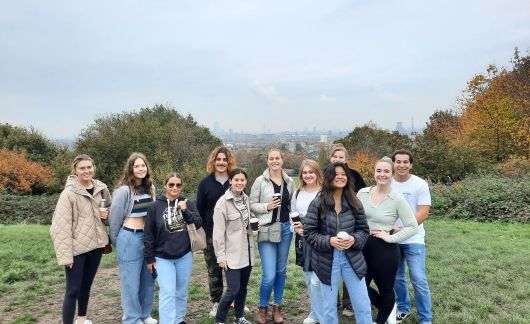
point(165, 232)
point(76, 225)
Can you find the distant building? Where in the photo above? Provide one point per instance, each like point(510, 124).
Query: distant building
point(324, 139)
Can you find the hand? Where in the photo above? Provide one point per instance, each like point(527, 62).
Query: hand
point(70, 265)
point(396, 229)
point(380, 234)
point(336, 242)
point(223, 265)
point(151, 267)
point(274, 203)
point(299, 228)
point(103, 213)
point(182, 204)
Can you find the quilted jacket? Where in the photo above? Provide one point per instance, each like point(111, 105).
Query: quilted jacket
point(76, 226)
point(318, 232)
point(261, 194)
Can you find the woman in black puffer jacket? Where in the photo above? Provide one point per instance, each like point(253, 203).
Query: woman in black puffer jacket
point(335, 226)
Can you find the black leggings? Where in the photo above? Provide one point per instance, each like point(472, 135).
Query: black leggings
point(382, 259)
point(236, 291)
point(78, 282)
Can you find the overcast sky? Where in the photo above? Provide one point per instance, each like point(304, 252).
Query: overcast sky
point(249, 65)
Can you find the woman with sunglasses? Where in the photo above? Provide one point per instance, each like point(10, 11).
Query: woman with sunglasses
point(168, 248)
point(129, 208)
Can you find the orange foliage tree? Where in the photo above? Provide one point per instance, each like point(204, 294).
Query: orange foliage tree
point(364, 163)
point(20, 175)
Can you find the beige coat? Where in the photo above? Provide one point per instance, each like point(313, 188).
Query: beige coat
point(231, 238)
point(76, 226)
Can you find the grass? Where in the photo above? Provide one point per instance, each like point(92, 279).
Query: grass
point(478, 273)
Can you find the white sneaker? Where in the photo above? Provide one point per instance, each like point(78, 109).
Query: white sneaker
point(85, 322)
point(150, 320)
point(347, 311)
point(213, 311)
point(310, 320)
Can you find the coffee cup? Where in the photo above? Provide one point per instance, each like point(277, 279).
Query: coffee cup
point(343, 235)
point(295, 216)
point(278, 197)
point(254, 224)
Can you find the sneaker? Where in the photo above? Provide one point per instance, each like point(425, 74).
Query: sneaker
point(401, 316)
point(347, 311)
point(241, 320)
point(213, 311)
point(150, 320)
point(310, 320)
point(85, 322)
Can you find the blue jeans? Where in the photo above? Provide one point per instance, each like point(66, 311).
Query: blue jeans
point(356, 287)
point(313, 289)
point(274, 267)
point(137, 284)
point(414, 256)
point(173, 279)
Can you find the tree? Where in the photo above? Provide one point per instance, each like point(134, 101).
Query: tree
point(37, 147)
point(170, 141)
point(20, 175)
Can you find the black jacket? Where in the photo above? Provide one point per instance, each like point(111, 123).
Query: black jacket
point(358, 180)
point(318, 231)
point(208, 192)
point(165, 232)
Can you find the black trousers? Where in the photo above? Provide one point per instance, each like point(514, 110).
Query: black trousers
point(236, 291)
point(78, 283)
point(382, 259)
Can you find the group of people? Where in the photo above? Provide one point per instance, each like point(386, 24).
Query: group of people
point(343, 230)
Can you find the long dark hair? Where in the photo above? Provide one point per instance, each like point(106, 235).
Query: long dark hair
point(327, 200)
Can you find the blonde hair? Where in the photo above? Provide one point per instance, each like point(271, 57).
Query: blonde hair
point(388, 160)
point(313, 165)
point(80, 158)
point(338, 147)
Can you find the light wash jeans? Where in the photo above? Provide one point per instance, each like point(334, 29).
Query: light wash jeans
point(356, 288)
point(173, 279)
point(137, 284)
point(313, 289)
point(274, 267)
point(414, 256)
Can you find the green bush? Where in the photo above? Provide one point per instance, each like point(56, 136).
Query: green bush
point(31, 209)
point(485, 198)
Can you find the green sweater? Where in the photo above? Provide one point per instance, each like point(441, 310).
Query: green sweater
point(383, 215)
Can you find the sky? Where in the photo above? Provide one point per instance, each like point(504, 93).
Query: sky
point(251, 66)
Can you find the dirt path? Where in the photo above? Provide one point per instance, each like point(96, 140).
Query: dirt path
point(104, 306)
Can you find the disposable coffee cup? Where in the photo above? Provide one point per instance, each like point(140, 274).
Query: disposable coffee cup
point(343, 235)
point(277, 196)
point(102, 204)
point(254, 224)
point(295, 216)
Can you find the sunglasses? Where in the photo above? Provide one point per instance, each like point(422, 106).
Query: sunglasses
point(172, 185)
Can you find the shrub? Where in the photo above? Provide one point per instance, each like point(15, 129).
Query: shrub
point(30, 209)
point(484, 198)
point(20, 175)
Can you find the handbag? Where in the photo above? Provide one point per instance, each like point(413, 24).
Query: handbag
point(270, 233)
point(197, 237)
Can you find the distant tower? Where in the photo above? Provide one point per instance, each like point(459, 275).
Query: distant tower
point(399, 127)
point(324, 139)
point(412, 125)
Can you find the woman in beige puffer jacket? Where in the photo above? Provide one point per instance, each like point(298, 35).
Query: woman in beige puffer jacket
point(79, 235)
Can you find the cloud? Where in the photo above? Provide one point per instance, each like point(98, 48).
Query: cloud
point(267, 92)
point(324, 97)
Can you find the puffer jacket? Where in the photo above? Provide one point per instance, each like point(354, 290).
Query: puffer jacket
point(76, 226)
point(232, 240)
point(261, 194)
point(318, 232)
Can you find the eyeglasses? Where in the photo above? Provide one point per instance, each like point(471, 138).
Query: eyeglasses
point(172, 185)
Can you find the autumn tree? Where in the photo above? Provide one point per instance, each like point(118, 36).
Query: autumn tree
point(20, 175)
point(36, 146)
